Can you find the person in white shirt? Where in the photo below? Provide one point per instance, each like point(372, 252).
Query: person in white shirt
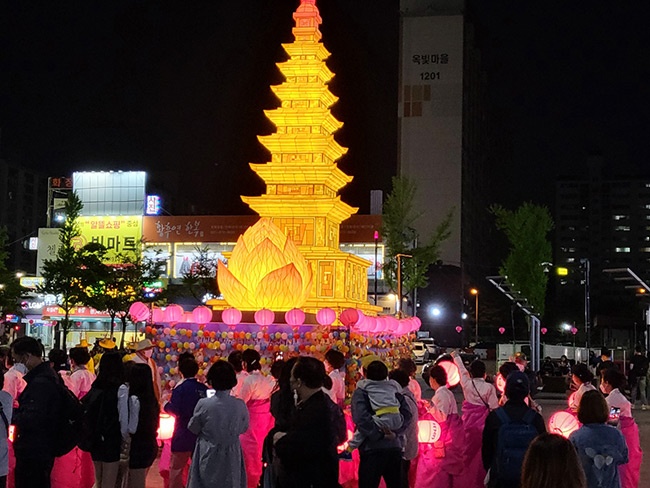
point(234, 358)
point(408, 365)
point(443, 465)
point(480, 399)
point(334, 361)
point(581, 377)
point(256, 392)
point(14, 384)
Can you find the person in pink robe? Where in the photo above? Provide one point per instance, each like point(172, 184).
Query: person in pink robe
point(256, 392)
point(612, 380)
point(480, 399)
point(441, 464)
point(75, 469)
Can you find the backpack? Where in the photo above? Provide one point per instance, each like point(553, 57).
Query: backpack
point(514, 439)
point(69, 422)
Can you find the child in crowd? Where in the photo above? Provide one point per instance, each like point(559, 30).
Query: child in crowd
point(334, 361)
point(581, 377)
point(383, 400)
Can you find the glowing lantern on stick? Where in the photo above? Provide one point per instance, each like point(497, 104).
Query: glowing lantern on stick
point(173, 313)
point(500, 383)
point(295, 317)
point(231, 317)
point(543, 330)
point(563, 423)
point(453, 375)
point(264, 317)
point(325, 316)
point(139, 311)
point(165, 427)
point(202, 315)
point(459, 329)
point(502, 330)
point(428, 431)
point(574, 330)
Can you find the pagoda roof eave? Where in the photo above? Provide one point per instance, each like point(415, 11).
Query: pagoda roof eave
point(288, 174)
point(267, 206)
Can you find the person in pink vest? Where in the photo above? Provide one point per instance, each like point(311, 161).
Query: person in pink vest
point(612, 381)
point(256, 392)
point(441, 464)
point(480, 399)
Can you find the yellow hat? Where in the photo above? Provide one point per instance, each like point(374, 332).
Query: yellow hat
point(370, 358)
point(107, 344)
point(83, 343)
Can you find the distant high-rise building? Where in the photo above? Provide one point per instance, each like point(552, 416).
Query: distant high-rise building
point(441, 133)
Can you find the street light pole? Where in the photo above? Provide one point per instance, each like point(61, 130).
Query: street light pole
point(398, 306)
point(474, 292)
point(586, 269)
point(376, 240)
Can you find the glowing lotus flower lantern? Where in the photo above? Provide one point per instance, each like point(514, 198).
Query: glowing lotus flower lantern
point(202, 315)
point(325, 316)
point(428, 431)
point(265, 270)
point(139, 311)
point(563, 423)
point(295, 317)
point(173, 313)
point(231, 317)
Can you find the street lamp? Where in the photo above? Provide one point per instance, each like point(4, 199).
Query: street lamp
point(399, 281)
point(474, 292)
point(376, 237)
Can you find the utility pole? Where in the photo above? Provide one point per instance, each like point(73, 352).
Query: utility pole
point(586, 269)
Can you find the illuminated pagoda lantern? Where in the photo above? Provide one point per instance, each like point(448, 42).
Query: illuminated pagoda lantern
point(301, 200)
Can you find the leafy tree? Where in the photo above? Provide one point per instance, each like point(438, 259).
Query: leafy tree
point(113, 287)
point(10, 290)
point(201, 280)
point(63, 274)
point(400, 237)
point(527, 230)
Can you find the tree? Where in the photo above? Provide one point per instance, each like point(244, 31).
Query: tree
point(10, 290)
point(400, 237)
point(63, 274)
point(201, 280)
point(113, 287)
point(527, 230)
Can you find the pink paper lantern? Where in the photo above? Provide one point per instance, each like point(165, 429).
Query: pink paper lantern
point(350, 317)
point(264, 317)
point(416, 324)
point(139, 311)
point(231, 316)
point(453, 375)
point(543, 330)
point(295, 317)
point(359, 322)
point(563, 423)
point(202, 314)
point(574, 330)
point(157, 316)
point(380, 325)
point(404, 326)
point(459, 329)
point(370, 324)
point(174, 313)
point(188, 318)
point(325, 316)
point(502, 330)
point(500, 383)
point(391, 324)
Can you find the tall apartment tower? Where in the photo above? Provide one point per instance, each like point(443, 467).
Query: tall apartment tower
point(440, 133)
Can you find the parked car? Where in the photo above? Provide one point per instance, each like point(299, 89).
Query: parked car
point(431, 349)
point(418, 352)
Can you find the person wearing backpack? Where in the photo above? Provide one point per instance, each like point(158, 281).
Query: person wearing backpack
point(37, 417)
point(508, 432)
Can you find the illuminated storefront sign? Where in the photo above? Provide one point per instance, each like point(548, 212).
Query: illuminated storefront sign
point(54, 311)
point(119, 234)
point(153, 205)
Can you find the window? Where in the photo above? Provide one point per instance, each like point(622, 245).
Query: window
point(622, 249)
point(625, 228)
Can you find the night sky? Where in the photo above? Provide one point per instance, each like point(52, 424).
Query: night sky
point(179, 87)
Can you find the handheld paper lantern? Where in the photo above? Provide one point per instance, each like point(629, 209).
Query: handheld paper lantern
point(138, 311)
point(428, 431)
point(502, 330)
point(543, 330)
point(500, 383)
point(574, 330)
point(202, 314)
point(459, 329)
point(165, 427)
point(350, 317)
point(264, 317)
point(173, 313)
point(157, 316)
point(295, 317)
point(325, 316)
point(563, 423)
point(453, 375)
point(231, 316)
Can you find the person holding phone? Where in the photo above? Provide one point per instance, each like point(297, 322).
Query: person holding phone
point(612, 382)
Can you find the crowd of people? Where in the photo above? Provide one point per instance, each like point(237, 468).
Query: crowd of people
point(245, 429)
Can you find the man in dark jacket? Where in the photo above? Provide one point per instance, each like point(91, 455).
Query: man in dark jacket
point(637, 377)
point(184, 398)
point(36, 417)
point(517, 412)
